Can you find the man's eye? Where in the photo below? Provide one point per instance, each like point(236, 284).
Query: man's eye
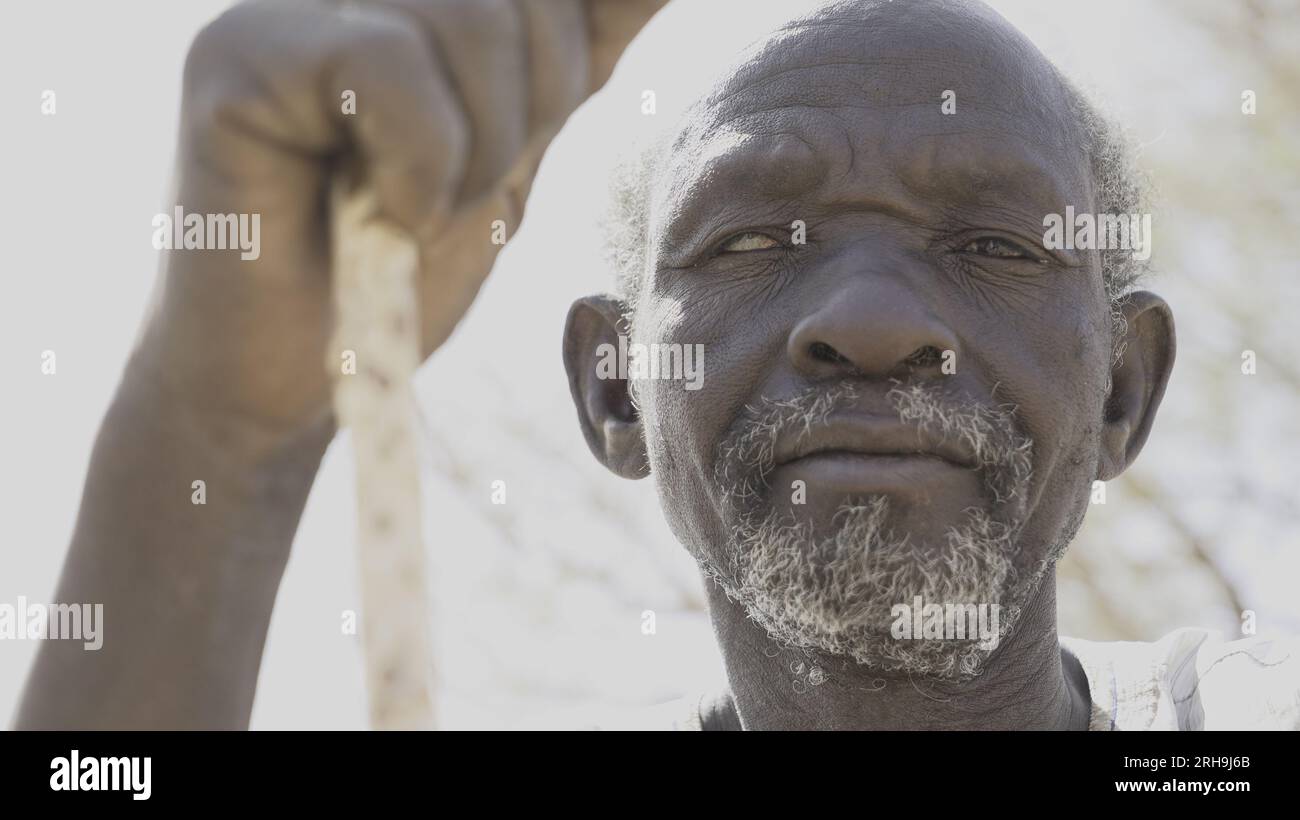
point(997, 247)
point(748, 241)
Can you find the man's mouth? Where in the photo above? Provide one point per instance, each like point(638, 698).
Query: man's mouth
point(869, 454)
point(870, 438)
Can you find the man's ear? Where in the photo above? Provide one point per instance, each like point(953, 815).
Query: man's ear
point(1138, 381)
point(600, 389)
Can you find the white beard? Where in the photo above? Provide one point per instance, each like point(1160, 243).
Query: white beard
point(835, 593)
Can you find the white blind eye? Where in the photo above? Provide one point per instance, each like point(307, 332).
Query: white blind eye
point(749, 241)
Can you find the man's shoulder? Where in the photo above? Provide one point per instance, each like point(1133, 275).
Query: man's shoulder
point(1192, 679)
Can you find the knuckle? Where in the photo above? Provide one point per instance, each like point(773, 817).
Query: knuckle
point(215, 47)
point(384, 36)
point(215, 65)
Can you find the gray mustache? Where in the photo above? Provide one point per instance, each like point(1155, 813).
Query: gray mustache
point(745, 457)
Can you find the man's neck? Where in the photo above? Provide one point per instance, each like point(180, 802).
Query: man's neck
point(1028, 684)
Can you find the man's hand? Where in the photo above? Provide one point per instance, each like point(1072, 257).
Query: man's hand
point(455, 100)
point(442, 107)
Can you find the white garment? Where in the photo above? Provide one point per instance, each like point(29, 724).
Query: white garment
point(1192, 679)
point(1189, 680)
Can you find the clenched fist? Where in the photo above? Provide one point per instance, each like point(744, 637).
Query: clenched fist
point(442, 107)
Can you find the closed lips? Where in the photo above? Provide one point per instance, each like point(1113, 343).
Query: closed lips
point(867, 436)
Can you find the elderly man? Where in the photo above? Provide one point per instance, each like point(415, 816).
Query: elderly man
point(909, 389)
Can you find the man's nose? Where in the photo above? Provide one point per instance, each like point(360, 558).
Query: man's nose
point(874, 327)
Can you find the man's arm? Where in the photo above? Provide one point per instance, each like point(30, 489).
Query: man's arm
point(455, 100)
point(186, 588)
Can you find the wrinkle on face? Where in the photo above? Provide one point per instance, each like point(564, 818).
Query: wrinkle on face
point(839, 124)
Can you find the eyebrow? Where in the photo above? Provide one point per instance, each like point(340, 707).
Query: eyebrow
point(1002, 168)
point(738, 170)
point(956, 171)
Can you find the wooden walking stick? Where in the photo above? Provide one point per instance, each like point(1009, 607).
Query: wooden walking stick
point(377, 322)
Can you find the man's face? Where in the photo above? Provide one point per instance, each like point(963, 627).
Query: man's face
point(909, 402)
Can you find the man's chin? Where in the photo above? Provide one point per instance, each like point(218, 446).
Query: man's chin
point(839, 584)
point(873, 643)
point(922, 519)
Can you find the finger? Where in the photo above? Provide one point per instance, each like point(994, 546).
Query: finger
point(408, 126)
point(482, 47)
point(559, 62)
point(611, 25)
point(455, 264)
point(251, 84)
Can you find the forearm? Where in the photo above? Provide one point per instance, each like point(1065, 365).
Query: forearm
point(187, 588)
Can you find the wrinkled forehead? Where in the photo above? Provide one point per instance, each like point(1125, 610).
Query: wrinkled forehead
point(858, 90)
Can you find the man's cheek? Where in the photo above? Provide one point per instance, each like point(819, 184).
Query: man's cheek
point(694, 386)
point(1061, 394)
point(1093, 354)
point(672, 434)
point(1080, 371)
point(682, 471)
